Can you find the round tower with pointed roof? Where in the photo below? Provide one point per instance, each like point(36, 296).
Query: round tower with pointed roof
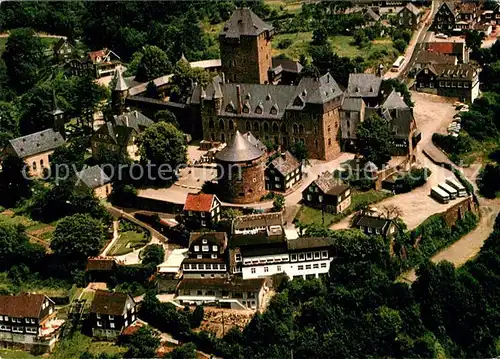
point(120, 93)
point(240, 170)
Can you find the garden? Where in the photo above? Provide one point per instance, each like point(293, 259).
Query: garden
point(131, 237)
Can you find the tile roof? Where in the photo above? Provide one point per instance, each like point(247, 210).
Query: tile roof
point(110, 303)
point(99, 54)
point(46, 140)
point(101, 264)
point(363, 85)
point(285, 163)
point(244, 22)
point(199, 202)
point(92, 177)
point(372, 222)
point(22, 305)
point(239, 150)
point(234, 285)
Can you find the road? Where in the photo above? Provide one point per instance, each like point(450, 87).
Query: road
point(414, 47)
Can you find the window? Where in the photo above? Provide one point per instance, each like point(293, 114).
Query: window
point(34, 165)
point(302, 257)
point(223, 266)
point(294, 258)
point(308, 266)
point(252, 270)
point(323, 265)
point(186, 266)
point(316, 255)
point(199, 256)
point(41, 163)
point(6, 318)
point(214, 248)
point(266, 269)
point(309, 256)
point(201, 266)
point(238, 257)
point(278, 268)
point(208, 266)
point(215, 266)
point(196, 248)
point(202, 214)
point(316, 266)
point(99, 324)
point(199, 292)
point(27, 320)
point(214, 256)
point(17, 329)
point(111, 317)
point(32, 321)
point(300, 267)
point(324, 254)
point(205, 248)
point(112, 325)
point(203, 223)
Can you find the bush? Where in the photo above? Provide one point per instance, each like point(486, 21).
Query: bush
point(285, 44)
point(278, 203)
point(453, 146)
point(415, 178)
point(153, 255)
point(489, 183)
point(400, 45)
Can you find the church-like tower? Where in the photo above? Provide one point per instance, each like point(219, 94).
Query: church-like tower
point(245, 48)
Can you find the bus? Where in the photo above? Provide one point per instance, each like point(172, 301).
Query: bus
point(462, 192)
point(397, 65)
point(440, 195)
point(449, 189)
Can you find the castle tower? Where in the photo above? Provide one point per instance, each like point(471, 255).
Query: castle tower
point(245, 48)
point(57, 116)
point(241, 168)
point(120, 93)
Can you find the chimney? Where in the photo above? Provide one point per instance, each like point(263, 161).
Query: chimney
point(223, 78)
point(238, 95)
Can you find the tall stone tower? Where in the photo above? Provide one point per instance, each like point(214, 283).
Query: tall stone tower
point(240, 170)
point(120, 93)
point(245, 48)
point(57, 116)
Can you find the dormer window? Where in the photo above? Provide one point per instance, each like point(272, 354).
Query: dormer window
point(304, 93)
point(258, 109)
point(274, 110)
point(230, 107)
point(246, 108)
point(298, 102)
point(248, 96)
point(268, 97)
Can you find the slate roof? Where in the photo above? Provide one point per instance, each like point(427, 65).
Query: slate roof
point(287, 65)
point(133, 119)
point(363, 85)
point(234, 285)
point(100, 264)
point(316, 90)
point(370, 14)
point(328, 184)
point(120, 82)
point(430, 57)
point(451, 6)
point(199, 202)
point(254, 141)
point(309, 242)
point(46, 140)
point(394, 101)
point(412, 8)
point(93, 177)
point(251, 221)
point(109, 303)
point(352, 104)
point(119, 135)
point(60, 43)
point(460, 71)
point(285, 163)
point(372, 222)
point(240, 150)
point(256, 250)
point(244, 22)
point(22, 305)
point(400, 121)
point(219, 238)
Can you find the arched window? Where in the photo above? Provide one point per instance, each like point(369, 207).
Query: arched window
point(211, 124)
point(222, 137)
point(256, 127)
point(275, 127)
point(295, 128)
point(258, 109)
point(34, 165)
point(301, 128)
point(283, 128)
point(348, 123)
point(266, 127)
point(221, 125)
point(248, 126)
point(212, 136)
point(41, 163)
point(231, 124)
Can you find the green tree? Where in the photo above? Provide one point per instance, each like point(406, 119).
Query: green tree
point(320, 36)
point(186, 351)
point(9, 122)
point(278, 203)
point(197, 316)
point(24, 59)
point(400, 45)
point(78, 237)
point(154, 63)
point(15, 181)
point(299, 151)
point(15, 249)
point(142, 344)
point(474, 39)
point(374, 140)
point(89, 98)
point(166, 116)
point(184, 79)
point(153, 255)
point(162, 143)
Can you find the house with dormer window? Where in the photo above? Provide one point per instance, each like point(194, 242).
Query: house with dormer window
point(206, 256)
point(111, 313)
point(327, 193)
point(201, 210)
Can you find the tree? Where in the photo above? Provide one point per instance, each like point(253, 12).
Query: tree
point(299, 151)
point(278, 203)
point(142, 344)
point(89, 98)
point(400, 45)
point(78, 237)
point(488, 183)
point(474, 39)
point(9, 122)
point(153, 255)
point(197, 316)
point(186, 351)
point(166, 116)
point(24, 59)
point(162, 143)
point(15, 249)
point(374, 140)
point(320, 36)
point(154, 63)
point(15, 181)
point(184, 79)
point(398, 86)
point(392, 211)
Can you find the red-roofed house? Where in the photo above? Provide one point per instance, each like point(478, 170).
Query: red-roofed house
point(100, 63)
point(202, 209)
point(452, 48)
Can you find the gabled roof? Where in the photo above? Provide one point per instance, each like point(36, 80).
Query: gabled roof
point(109, 303)
point(60, 43)
point(372, 222)
point(199, 202)
point(244, 22)
point(285, 163)
point(287, 65)
point(36, 143)
point(354, 104)
point(22, 305)
point(240, 150)
point(450, 5)
point(133, 119)
point(316, 90)
point(394, 101)
point(94, 55)
point(435, 58)
point(412, 8)
point(328, 184)
point(120, 82)
point(363, 85)
point(370, 14)
point(92, 177)
point(252, 221)
point(460, 71)
point(119, 135)
point(219, 238)
point(100, 264)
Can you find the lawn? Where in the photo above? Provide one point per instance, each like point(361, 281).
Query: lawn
point(15, 354)
point(46, 42)
point(40, 230)
point(106, 347)
point(127, 242)
point(308, 215)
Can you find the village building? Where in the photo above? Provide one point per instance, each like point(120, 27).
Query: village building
point(35, 150)
point(120, 134)
point(206, 256)
point(241, 170)
point(64, 50)
point(29, 322)
point(234, 293)
point(433, 58)
point(98, 63)
point(111, 313)
point(94, 179)
point(169, 272)
point(100, 269)
point(409, 17)
point(365, 87)
point(201, 210)
point(448, 45)
point(283, 172)
point(374, 225)
point(445, 18)
point(461, 81)
point(284, 71)
point(327, 193)
point(267, 224)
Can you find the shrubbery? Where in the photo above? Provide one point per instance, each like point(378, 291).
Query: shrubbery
point(415, 178)
point(453, 146)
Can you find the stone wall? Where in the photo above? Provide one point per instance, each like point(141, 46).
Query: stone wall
point(453, 214)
